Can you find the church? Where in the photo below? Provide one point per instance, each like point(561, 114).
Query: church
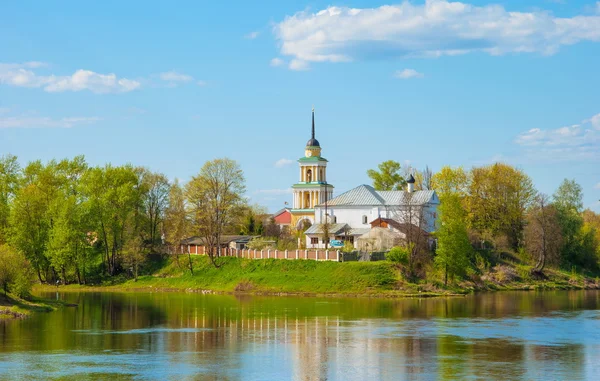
point(361, 216)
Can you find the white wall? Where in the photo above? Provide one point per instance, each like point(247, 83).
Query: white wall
point(353, 215)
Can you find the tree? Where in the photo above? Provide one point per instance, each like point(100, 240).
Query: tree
point(388, 177)
point(155, 201)
point(453, 246)
point(176, 221)
point(499, 196)
point(451, 180)
point(215, 199)
point(9, 183)
point(578, 243)
point(543, 237)
point(413, 219)
point(15, 272)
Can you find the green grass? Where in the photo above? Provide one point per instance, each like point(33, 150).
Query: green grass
point(309, 277)
point(275, 276)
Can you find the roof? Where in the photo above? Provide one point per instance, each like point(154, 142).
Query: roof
point(225, 239)
point(336, 229)
point(311, 159)
point(367, 195)
point(313, 143)
point(333, 228)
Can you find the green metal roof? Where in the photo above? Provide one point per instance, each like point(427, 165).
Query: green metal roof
point(312, 159)
point(311, 185)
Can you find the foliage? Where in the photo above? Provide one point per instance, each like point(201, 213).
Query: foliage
point(15, 272)
point(499, 196)
point(215, 200)
point(453, 246)
point(451, 180)
point(543, 237)
point(388, 176)
point(261, 243)
point(398, 255)
point(348, 247)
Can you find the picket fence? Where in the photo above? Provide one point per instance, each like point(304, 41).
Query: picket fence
point(314, 254)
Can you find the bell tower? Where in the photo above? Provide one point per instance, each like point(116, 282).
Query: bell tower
point(312, 188)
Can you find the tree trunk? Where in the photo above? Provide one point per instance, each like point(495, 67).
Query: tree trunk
point(446, 276)
point(191, 265)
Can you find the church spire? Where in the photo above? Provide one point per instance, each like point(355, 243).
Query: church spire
point(313, 122)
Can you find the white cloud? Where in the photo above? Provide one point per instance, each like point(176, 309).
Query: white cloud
point(283, 163)
point(4, 110)
point(274, 192)
point(21, 75)
point(298, 65)
point(44, 122)
point(201, 83)
point(433, 29)
point(276, 62)
point(595, 121)
point(252, 35)
point(575, 142)
point(173, 76)
point(408, 73)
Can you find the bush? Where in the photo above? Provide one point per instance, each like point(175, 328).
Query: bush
point(347, 248)
point(398, 255)
point(15, 272)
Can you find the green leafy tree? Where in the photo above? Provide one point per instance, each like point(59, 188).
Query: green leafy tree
point(156, 189)
point(9, 183)
point(388, 177)
point(453, 246)
point(177, 225)
point(499, 196)
point(215, 198)
point(15, 272)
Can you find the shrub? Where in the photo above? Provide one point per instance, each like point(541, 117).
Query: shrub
point(398, 255)
point(15, 272)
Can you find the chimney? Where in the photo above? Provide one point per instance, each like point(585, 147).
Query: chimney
point(410, 184)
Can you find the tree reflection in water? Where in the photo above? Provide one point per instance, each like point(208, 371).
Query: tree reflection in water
point(550, 335)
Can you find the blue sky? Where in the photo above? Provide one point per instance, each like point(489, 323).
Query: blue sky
point(170, 85)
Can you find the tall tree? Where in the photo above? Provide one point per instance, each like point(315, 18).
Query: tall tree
point(155, 201)
point(568, 200)
point(543, 237)
point(451, 180)
point(215, 198)
point(176, 221)
point(453, 246)
point(388, 176)
point(9, 182)
point(499, 196)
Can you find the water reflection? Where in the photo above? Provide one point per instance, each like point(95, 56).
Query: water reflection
point(528, 336)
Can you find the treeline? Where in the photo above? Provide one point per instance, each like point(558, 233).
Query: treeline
point(497, 207)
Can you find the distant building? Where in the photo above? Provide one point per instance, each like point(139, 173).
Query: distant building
point(312, 188)
point(354, 213)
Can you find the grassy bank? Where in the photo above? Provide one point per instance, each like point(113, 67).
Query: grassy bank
point(12, 307)
point(307, 277)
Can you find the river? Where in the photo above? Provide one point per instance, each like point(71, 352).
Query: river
point(176, 336)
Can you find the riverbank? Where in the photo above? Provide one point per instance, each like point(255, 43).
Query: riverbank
point(12, 307)
point(312, 278)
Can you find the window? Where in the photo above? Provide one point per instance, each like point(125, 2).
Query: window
point(364, 219)
point(314, 240)
point(334, 219)
point(325, 240)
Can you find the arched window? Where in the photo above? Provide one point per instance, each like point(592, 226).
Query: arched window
point(364, 219)
point(309, 176)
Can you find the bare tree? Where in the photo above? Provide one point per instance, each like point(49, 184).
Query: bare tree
point(543, 238)
point(215, 199)
point(176, 222)
point(411, 220)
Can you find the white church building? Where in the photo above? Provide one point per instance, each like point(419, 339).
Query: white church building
point(357, 212)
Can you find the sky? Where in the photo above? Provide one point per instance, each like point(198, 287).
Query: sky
point(171, 85)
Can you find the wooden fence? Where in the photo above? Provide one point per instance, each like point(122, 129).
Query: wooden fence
point(314, 254)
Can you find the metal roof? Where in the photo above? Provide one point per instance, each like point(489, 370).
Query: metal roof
point(333, 229)
point(367, 195)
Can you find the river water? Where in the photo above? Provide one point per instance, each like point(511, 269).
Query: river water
point(173, 336)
